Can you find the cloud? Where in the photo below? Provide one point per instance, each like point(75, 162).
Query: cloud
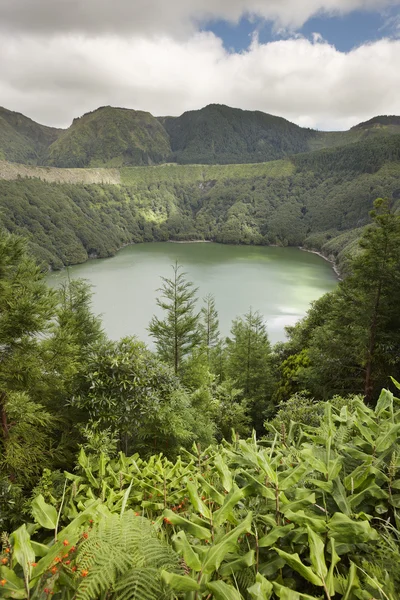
point(176, 17)
point(309, 82)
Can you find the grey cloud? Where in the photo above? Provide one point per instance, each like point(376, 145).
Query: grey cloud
point(178, 17)
point(312, 84)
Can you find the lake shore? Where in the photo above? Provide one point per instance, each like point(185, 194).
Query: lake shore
point(332, 262)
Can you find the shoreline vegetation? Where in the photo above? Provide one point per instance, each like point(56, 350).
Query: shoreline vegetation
point(95, 257)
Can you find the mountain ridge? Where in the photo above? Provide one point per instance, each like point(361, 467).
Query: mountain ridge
point(216, 134)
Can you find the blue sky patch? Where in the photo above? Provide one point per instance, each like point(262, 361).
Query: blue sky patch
point(344, 32)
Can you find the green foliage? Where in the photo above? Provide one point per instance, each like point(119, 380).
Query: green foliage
point(352, 334)
point(113, 137)
point(178, 333)
point(248, 364)
point(309, 514)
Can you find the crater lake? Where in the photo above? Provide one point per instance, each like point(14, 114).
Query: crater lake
point(278, 282)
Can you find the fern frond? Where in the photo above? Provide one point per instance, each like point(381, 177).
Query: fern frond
point(123, 556)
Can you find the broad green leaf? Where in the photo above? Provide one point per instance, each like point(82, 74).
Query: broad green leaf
point(285, 593)
point(339, 496)
point(226, 509)
point(296, 505)
point(372, 491)
point(262, 589)
point(317, 553)
point(197, 503)
point(39, 549)
point(347, 531)
point(222, 591)
point(183, 548)
point(180, 583)
point(326, 486)
point(385, 401)
point(293, 477)
point(22, 550)
point(315, 463)
point(217, 552)
point(352, 582)
point(126, 497)
point(274, 535)
point(44, 514)
point(211, 491)
point(293, 560)
point(202, 533)
point(224, 472)
point(247, 560)
point(14, 586)
point(388, 438)
point(330, 583)
point(300, 518)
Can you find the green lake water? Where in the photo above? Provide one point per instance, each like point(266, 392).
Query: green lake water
point(278, 282)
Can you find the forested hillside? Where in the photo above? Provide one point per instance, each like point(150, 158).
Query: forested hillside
point(216, 134)
point(320, 200)
point(22, 140)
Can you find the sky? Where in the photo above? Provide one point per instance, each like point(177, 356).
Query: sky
point(325, 64)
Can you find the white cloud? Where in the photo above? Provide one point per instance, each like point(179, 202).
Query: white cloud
point(175, 17)
point(309, 82)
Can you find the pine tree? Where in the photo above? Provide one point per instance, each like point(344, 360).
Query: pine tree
point(209, 324)
point(178, 333)
point(249, 364)
point(357, 347)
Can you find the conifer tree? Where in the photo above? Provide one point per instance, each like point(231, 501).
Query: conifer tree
point(249, 364)
point(178, 333)
point(209, 324)
point(357, 347)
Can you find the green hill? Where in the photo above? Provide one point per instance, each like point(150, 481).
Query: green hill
point(319, 200)
point(111, 137)
point(223, 135)
point(22, 140)
point(216, 134)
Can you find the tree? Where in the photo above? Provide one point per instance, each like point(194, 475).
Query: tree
point(130, 393)
point(177, 334)
point(249, 364)
point(357, 345)
point(209, 324)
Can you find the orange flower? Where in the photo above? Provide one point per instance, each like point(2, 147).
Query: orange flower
point(7, 550)
point(4, 561)
point(74, 568)
point(72, 549)
point(137, 514)
point(65, 555)
point(67, 562)
point(34, 564)
point(85, 535)
point(57, 559)
point(54, 570)
point(84, 573)
point(3, 582)
point(167, 521)
point(66, 543)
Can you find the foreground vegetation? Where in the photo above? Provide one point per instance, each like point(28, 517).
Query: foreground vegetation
point(311, 512)
point(116, 476)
